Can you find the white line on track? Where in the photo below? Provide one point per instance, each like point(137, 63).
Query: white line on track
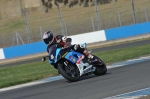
point(109, 67)
point(32, 83)
point(132, 95)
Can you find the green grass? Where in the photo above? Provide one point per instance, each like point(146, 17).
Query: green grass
point(28, 72)
point(25, 73)
point(124, 54)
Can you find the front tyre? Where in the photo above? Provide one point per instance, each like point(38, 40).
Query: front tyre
point(101, 68)
point(70, 72)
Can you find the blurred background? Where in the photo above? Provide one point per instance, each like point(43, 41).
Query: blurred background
point(24, 21)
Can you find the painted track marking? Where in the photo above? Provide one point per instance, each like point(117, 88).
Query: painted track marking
point(115, 65)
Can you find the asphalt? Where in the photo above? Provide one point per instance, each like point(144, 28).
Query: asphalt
point(116, 81)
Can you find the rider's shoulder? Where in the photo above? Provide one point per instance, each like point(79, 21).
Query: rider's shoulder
point(59, 36)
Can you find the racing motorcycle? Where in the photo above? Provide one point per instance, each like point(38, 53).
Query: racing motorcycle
point(73, 65)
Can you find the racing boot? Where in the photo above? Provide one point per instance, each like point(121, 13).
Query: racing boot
point(90, 57)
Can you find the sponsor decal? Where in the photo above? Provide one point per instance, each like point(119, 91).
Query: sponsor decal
point(70, 57)
point(65, 54)
point(74, 60)
point(78, 61)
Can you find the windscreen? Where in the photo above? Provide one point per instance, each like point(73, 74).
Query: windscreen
point(52, 49)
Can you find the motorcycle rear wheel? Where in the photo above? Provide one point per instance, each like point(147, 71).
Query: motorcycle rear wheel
point(70, 77)
point(101, 68)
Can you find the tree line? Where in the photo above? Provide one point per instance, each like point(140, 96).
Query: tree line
point(85, 3)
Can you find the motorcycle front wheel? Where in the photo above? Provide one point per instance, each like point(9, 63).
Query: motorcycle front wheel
point(69, 72)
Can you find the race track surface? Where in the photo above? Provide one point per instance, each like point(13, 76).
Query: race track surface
point(117, 81)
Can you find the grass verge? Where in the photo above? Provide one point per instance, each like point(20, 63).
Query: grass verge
point(28, 72)
point(144, 97)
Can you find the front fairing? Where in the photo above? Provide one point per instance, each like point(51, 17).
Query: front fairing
point(73, 56)
point(76, 58)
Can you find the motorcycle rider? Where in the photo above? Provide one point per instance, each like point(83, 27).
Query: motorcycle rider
point(65, 42)
point(50, 39)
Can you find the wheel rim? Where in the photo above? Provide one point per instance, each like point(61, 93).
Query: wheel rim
point(70, 71)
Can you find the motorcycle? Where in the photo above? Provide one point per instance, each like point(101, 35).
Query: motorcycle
point(73, 65)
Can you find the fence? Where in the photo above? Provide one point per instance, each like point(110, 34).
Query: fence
point(103, 35)
point(70, 21)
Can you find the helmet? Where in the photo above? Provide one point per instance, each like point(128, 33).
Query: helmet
point(48, 37)
point(64, 39)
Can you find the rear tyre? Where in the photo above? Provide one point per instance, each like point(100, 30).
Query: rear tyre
point(70, 72)
point(101, 68)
